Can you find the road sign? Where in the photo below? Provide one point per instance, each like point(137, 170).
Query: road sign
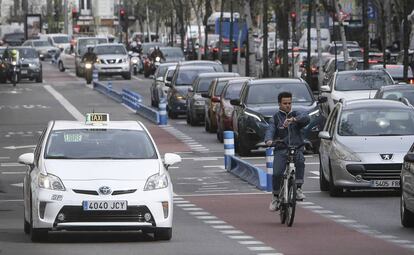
point(371, 11)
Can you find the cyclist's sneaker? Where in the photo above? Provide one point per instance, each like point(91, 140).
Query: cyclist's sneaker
point(273, 204)
point(299, 194)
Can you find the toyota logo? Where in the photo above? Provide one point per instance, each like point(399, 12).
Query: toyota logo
point(386, 156)
point(105, 190)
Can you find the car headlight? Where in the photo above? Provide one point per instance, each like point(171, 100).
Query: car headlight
point(344, 153)
point(98, 61)
point(314, 113)
point(228, 112)
point(33, 64)
point(200, 102)
point(156, 181)
point(254, 116)
point(51, 182)
point(179, 97)
point(14, 63)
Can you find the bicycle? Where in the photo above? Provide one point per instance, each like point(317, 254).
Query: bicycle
point(287, 194)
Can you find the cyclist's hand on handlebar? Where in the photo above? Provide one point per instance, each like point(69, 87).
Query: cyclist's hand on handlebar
point(269, 143)
point(289, 121)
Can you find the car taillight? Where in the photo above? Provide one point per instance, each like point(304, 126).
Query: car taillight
point(314, 69)
point(215, 49)
point(412, 81)
point(235, 49)
point(277, 61)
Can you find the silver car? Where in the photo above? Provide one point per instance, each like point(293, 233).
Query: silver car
point(43, 48)
point(113, 59)
point(363, 145)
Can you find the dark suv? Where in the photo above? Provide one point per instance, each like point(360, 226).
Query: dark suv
point(258, 103)
point(182, 80)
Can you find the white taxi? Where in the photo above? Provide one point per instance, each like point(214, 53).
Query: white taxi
point(97, 175)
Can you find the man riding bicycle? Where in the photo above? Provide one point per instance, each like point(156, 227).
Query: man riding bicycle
point(286, 125)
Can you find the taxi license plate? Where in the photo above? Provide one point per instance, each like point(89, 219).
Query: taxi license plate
point(118, 205)
point(385, 183)
point(23, 71)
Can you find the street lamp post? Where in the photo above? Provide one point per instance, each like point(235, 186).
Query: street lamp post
point(293, 20)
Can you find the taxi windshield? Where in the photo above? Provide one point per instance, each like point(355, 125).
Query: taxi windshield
point(99, 144)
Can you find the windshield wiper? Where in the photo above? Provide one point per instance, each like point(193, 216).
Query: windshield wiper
point(59, 157)
point(391, 134)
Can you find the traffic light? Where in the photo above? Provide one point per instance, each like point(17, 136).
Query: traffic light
point(293, 16)
point(122, 14)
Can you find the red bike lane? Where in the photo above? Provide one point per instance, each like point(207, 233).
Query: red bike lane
point(311, 233)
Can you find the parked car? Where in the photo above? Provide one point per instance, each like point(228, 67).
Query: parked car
point(61, 41)
point(407, 190)
point(195, 102)
point(354, 85)
point(66, 59)
point(182, 80)
point(352, 151)
point(217, 65)
point(258, 103)
point(158, 84)
point(81, 49)
point(396, 72)
point(113, 59)
point(43, 48)
point(212, 99)
point(224, 112)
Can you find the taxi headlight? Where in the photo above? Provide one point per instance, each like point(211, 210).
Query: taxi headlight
point(156, 181)
point(344, 153)
point(51, 182)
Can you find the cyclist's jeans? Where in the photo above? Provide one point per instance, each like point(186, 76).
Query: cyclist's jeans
point(279, 166)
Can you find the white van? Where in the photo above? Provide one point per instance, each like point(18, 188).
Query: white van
point(325, 39)
point(61, 41)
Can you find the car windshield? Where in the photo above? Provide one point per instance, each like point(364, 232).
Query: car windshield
point(187, 77)
point(377, 121)
point(396, 95)
point(82, 43)
point(267, 93)
point(28, 53)
point(361, 81)
point(99, 144)
point(41, 43)
point(219, 87)
point(61, 39)
point(233, 91)
point(110, 50)
point(204, 84)
point(172, 52)
point(147, 47)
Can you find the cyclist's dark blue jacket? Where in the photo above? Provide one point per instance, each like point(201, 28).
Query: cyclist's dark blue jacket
point(276, 131)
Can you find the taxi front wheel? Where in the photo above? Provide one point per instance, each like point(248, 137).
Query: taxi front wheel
point(163, 234)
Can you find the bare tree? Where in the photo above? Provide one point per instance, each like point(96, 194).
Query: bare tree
point(250, 58)
point(199, 13)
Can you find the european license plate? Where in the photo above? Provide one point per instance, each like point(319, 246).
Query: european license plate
point(385, 183)
point(118, 205)
point(23, 71)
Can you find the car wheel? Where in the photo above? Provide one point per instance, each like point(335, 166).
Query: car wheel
point(36, 235)
point(26, 227)
point(334, 191)
point(323, 183)
point(61, 67)
point(39, 78)
point(127, 76)
point(407, 217)
point(243, 149)
point(163, 234)
point(172, 115)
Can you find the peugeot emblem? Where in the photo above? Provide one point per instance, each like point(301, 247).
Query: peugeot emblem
point(105, 190)
point(386, 156)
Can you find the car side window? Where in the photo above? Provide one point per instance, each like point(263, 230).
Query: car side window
point(39, 148)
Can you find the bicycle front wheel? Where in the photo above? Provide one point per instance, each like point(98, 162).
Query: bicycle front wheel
point(291, 203)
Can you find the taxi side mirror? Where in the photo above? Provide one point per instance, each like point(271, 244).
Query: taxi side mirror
point(171, 159)
point(26, 159)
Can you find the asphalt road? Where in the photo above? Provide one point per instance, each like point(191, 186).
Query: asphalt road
point(215, 212)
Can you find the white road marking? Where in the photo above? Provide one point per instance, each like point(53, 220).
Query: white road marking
point(261, 248)
point(20, 185)
point(65, 103)
point(250, 242)
point(241, 237)
point(206, 217)
point(2, 158)
point(223, 227)
point(199, 213)
point(185, 205)
point(10, 164)
point(232, 232)
point(192, 209)
point(13, 173)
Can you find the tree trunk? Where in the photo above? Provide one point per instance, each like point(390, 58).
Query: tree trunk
point(309, 25)
point(365, 32)
point(343, 37)
point(199, 24)
point(319, 45)
point(265, 59)
point(209, 11)
point(250, 58)
point(221, 31)
point(406, 38)
point(230, 59)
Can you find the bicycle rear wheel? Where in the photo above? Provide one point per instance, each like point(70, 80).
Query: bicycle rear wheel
point(291, 203)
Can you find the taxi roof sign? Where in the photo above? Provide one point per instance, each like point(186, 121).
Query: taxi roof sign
point(97, 118)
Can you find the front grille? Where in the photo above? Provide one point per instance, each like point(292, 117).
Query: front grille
point(111, 61)
point(87, 192)
point(25, 65)
point(77, 214)
point(122, 192)
point(381, 171)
